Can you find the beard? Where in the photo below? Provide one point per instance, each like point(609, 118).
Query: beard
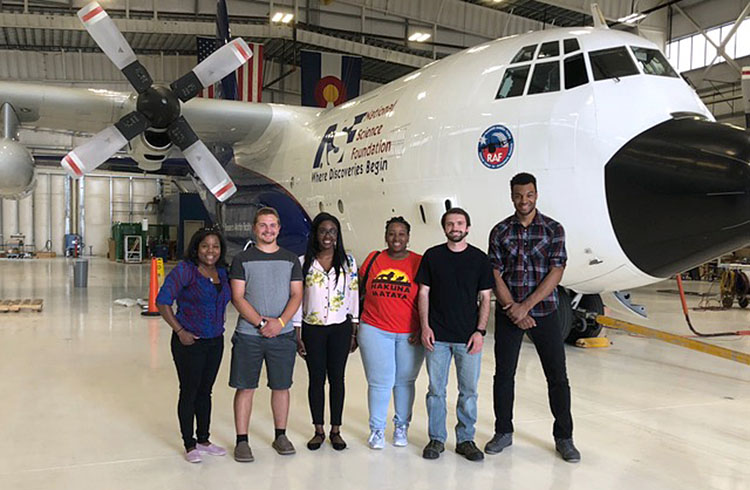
point(456, 236)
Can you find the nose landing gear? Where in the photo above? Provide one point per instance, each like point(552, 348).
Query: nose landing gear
point(579, 322)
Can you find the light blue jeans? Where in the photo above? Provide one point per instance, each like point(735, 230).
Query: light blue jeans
point(467, 371)
point(391, 363)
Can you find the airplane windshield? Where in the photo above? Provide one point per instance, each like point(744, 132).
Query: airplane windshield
point(570, 45)
point(612, 63)
point(546, 78)
point(653, 62)
point(524, 54)
point(513, 82)
point(575, 71)
point(549, 49)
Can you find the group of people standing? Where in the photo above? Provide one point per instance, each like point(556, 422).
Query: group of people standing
point(401, 309)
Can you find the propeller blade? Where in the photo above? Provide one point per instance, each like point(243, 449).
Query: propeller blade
point(109, 38)
point(219, 64)
point(201, 160)
point(746, 94)
point(86, 157)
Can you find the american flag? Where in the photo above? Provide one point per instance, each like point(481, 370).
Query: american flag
point(249, 75)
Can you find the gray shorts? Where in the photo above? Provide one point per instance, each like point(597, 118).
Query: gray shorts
point(248, 353)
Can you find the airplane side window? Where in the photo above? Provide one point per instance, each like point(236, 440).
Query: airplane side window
point(575, 72)
point(546, 78)
point(653, 62)
point(524, 54)
point(513, 82)
point(612, 63)
point(570, 45)
point(549, 49)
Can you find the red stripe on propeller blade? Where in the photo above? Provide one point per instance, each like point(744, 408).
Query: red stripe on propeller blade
point(93, 13)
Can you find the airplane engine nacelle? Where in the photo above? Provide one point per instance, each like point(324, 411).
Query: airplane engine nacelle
point(150, 149)
point(17, 174)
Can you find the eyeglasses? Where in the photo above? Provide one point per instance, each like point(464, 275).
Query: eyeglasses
point(328, 231)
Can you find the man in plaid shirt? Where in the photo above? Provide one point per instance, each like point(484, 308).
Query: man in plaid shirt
point(527, 253)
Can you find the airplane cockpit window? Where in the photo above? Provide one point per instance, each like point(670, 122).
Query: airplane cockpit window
point(549, 49)
point(546, 78)
point(524, 54)
point(575, 71)
point(612, 63)
point(570, 45)
point(653, 62)
point(513, 82)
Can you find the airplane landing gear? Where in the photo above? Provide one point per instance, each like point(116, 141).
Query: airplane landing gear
point(580, 322)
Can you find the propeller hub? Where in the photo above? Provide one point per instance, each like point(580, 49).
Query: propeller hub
point(159, 105)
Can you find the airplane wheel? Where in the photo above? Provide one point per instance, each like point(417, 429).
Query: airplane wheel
point(743, 301)
point(564, 312)
point(727, 301)
point(589, 328)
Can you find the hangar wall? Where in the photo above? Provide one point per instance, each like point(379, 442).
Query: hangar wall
point(41, 216)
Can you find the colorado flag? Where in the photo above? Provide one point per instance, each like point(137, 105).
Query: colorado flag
point(329, 79)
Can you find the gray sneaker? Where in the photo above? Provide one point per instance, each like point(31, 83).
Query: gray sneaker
point(498, 443)
point(243, 453)
point(283, 445)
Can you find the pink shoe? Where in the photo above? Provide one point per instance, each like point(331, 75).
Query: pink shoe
point(193, 456)
point(211, 449)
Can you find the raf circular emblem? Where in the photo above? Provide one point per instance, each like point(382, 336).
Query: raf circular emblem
point(495, 146)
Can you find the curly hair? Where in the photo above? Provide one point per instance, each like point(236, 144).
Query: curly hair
point(198, 237)
point(398, 219)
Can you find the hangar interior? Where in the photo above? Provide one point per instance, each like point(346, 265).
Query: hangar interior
point(90, 386)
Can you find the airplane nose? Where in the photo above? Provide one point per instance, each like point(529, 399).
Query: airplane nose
point(679, 194)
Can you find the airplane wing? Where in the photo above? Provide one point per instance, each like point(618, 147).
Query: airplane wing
point(81, 110)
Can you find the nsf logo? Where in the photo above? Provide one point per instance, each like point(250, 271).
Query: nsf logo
point(495, 146)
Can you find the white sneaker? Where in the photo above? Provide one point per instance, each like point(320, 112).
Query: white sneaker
point(399, 436)
point(376, 439)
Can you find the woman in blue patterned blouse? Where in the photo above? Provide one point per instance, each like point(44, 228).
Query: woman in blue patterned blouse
point(200, 286)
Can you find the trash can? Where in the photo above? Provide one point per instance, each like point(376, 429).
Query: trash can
point(81, 273)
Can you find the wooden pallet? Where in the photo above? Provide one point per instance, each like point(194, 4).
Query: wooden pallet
point(16, 305)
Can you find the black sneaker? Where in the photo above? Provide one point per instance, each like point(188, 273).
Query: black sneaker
point(567, 450)
point(433, 449)
point(498, 443)
point(470, 451)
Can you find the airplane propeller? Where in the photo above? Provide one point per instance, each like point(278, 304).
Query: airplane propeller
point(157, 107)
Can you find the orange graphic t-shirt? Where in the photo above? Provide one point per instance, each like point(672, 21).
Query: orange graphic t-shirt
point(391, 293)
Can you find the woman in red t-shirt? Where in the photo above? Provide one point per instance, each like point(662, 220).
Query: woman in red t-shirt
point(389, 332)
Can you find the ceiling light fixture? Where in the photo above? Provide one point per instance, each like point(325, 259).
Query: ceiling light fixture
point(632, 18)
point(420, 37)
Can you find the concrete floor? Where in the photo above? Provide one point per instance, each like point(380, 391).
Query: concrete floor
point(89, 394)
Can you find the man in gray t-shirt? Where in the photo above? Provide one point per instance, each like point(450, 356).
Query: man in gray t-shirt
point(266, 285)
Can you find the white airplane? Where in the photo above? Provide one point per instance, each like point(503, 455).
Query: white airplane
point(627, 157)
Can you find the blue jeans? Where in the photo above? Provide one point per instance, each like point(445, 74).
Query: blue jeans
point(391, 363)
point(467, 371)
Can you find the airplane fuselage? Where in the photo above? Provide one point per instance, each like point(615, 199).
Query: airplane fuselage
point(415, 147)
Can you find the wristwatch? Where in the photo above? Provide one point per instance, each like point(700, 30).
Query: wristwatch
point(481, 332)
point(262, 323)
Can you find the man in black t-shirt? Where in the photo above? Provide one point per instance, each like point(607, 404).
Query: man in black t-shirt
point(451, 277)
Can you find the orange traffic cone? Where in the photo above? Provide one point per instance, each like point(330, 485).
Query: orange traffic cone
point(153, 290)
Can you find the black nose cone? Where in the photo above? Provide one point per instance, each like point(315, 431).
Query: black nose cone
point(679, 194)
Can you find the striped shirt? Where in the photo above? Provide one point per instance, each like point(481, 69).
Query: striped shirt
point(200, 307)
point(524, 257)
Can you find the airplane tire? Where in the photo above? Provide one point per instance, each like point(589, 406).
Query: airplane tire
point(591, 303)
point(564, 312)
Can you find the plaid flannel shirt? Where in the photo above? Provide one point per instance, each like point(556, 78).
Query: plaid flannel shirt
point(524, 256)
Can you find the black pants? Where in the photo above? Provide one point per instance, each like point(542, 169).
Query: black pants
point(327, 351)
point(197, 366)
point(549, 346)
